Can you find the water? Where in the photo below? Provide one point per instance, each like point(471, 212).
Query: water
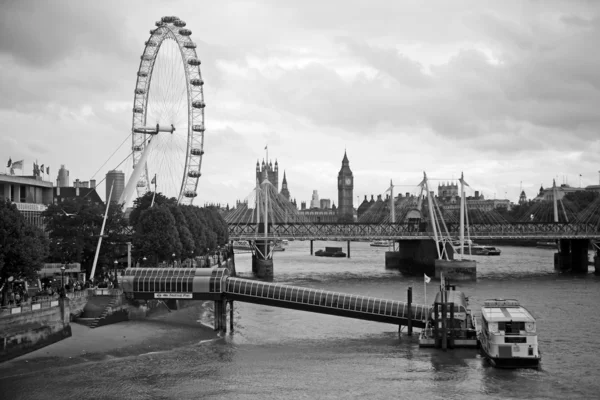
point(278, 353)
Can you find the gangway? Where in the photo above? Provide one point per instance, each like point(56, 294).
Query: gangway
point(216, 284)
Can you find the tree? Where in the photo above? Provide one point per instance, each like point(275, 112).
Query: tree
point(23, 247)
point(143, 203)
point(74, 228)
point(185, 236)
point(156, 236)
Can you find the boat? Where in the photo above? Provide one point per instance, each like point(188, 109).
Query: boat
point(330, 252)
point(507, 336)
point(278, 247)
point(381, 243)
point(547, 244)
point(478, 250)
point(242, 245)
point(461, 325)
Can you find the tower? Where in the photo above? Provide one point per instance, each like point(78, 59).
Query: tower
point(522, 198)
point(63, 177)
point(345, 209)
point(269, 171)
point(284, 188)
point(118, 177)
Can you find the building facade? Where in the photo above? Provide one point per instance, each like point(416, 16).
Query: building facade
point(30, 194)
point(118, 179)
point(345, 210)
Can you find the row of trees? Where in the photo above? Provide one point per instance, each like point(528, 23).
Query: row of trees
point(73, 230)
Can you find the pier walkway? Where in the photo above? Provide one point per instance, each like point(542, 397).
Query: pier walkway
point(216, 284)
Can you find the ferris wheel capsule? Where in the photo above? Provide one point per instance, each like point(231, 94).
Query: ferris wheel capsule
point(198, 104)
point(185, 32)
point(159, 23)
point(179, 23)
point(150, 43)
point(197, 152)
point(142, 74)
point(194, 174)
point(197, 82)
point(141, 184)
point(137, 148)
point(146, 57)
point(190, 193)
point(198, 128)
point(138, 110)
point(169, 19)
point(140, 91)
point(194, 61)
point(189, 45)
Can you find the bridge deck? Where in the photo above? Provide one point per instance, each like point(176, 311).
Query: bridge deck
point(325, 302)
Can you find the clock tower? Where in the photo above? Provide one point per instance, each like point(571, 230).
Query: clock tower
point(345, 211)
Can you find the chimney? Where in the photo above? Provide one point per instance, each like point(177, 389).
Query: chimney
point(93, 183)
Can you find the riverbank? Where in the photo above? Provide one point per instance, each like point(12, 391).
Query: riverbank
point(162, 331)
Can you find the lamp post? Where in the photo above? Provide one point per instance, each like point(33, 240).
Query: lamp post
point(116, 264)
point(143, 261)
point(62, 279)
point(173, 259)
point(219, 254)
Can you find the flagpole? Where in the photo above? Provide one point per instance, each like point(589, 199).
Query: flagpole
point(425, 291)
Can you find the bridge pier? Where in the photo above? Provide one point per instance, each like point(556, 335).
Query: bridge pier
point(262, 257)
point(311, 247)
point(348, 253)
point(415, 257)
point(572, 255)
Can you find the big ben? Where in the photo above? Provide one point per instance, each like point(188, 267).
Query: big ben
point(345, 211)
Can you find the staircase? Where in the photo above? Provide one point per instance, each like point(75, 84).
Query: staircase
point(97, 309)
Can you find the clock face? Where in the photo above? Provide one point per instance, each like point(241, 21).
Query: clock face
point(348, 181)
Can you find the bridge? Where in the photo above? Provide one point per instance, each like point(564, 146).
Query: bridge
point(409, 231)
point(216, 284)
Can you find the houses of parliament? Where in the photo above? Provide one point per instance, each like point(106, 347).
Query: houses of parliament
point(320, 210)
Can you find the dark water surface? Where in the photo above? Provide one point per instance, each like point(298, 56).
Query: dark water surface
point(278, 353)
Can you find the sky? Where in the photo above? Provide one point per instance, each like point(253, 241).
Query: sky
point(506, 92)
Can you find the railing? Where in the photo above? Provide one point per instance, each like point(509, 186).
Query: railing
point(411, 231)
point(106, 292)
point(29, 306)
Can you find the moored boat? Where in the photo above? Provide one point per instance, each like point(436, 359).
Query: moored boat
point(478, 250)
point(460, 325)
point(242, 245)
point(330, 252)
point(381, 243)
point(507, 335)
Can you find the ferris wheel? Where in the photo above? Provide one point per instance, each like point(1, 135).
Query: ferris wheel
point(168, 115)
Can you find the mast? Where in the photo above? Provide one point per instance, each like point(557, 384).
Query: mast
point(432, 214)
point(101, 233)
point(462, 216)
point(393, 211)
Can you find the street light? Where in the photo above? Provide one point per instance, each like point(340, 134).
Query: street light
point(62, 278)
point(173, 260)
point(143, 261)
point(116, 263)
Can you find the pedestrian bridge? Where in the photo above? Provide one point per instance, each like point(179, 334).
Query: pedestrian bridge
point(216, 284)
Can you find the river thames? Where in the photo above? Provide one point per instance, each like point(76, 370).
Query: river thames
point(278, 353)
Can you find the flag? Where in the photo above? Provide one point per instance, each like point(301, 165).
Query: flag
point(42, 168)
point(17, 164)
point(9, 162)
point(47, 170)
point(427, 279)
point(153, 181)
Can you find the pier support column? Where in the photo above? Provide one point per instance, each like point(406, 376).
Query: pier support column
point(262, 259)
point(597, 262)
point(409, 300)
point(311, 247)
point(348, 253)
point(562, 259)
point(231, 316)
point(579, 255)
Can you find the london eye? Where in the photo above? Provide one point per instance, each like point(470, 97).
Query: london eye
point(168, 115)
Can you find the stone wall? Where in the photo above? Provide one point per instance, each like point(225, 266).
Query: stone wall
point(25, 331)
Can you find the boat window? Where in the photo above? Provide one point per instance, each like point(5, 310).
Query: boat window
point(513, 328)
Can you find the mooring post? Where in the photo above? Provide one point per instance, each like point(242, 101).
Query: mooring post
point(436, 329)
point(311, 247)
point(410, 311)
point(348, 249)
point(216, 315)
point(444, 326)
point(224, 313)
point(231, 315)
point(451, 342)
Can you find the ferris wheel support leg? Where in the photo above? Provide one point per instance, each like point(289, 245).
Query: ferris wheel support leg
point(135, 176)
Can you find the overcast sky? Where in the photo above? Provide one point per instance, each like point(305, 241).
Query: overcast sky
point(506, 91)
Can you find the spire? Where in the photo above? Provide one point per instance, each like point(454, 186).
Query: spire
point(284, 179)
point(345, 159)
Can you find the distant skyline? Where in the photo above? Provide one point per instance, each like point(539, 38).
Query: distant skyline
point(506, 92)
